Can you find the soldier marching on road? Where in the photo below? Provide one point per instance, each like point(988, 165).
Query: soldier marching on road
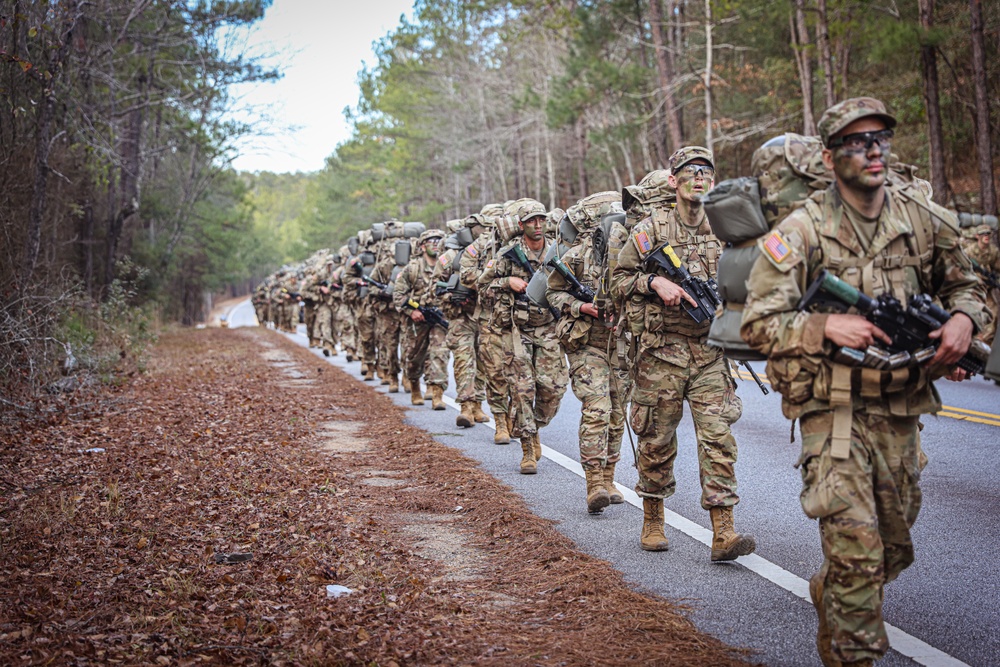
point(861, 456)
point(675, 363)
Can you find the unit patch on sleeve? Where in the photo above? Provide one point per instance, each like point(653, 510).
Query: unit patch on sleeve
point(777, 247)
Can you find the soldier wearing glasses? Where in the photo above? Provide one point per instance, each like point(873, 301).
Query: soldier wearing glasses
point(861, 457)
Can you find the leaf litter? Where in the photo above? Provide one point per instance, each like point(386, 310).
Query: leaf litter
point(228, 500)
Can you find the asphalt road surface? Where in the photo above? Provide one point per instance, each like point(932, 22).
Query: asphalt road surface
point(943, 610)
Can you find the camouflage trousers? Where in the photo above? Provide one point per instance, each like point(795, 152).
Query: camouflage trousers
point(288, 315)
point(425, 353)
point(366, 337)
point(661, 388)
point(309, 316)
point(463, 341)
point(490, 360)
point(602, 389)
point(387, 334)
point(344, 328)
point(260, 311)
point(324, 327)
point(535, 368)
point(989, 331)
point(866, 506)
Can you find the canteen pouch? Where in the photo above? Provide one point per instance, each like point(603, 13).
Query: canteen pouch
point(402, 252)
point(733, 210)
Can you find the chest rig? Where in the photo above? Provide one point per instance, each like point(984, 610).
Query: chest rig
point(699, 250)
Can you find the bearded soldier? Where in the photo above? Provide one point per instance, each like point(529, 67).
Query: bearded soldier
point(426, 352)
point(585, 333)
point(675, 362)
point(861, 456)
point(533, 361)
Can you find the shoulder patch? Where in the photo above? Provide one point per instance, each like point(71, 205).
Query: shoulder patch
point(472, 251)
point(489, 264)
point(642, 242)
point(777, 247)
point(443, 259)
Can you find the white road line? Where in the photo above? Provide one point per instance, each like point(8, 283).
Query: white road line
point(906, 644)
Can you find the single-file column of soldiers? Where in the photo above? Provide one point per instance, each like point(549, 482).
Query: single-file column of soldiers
point(616, 298)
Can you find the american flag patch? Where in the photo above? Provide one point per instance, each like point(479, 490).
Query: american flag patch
point(643, 243)
point(443, 259)
point(489, 264)
point(776, 247)
point(472, 251)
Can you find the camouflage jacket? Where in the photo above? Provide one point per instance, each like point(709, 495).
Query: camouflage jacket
point(495, 284)
point(473, 262)
point(915, 250)
point(658, 325)
point(443, 270)
point(415, 282)
point(576, 329)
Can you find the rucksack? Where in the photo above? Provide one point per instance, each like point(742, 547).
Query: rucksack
point(786, 172)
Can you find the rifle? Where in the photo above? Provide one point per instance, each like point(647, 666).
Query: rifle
point(704, 292)
point(908, 326)
point(516, 255)
point(991, 279)
point(385, 289)
point(458, 294)
point(432, 314)
point(577, 289)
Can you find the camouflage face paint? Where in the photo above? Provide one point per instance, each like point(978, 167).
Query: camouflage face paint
point(533, 228)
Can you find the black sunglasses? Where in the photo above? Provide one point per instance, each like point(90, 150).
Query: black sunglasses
point(858, 140)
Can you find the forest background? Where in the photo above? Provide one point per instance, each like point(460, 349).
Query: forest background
point(119, 208)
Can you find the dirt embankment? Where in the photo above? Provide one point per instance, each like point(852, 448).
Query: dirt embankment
point(239, 442)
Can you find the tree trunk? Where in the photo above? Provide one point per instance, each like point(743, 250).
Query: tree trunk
point(709, 138)
point(665, 75)
point(984, 147)
point(823, 41)
point(800, 45)
point(932, 102)
point(43, 144)
point(581, 145)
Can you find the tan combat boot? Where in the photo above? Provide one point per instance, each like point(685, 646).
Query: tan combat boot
point(597, 495)
point(727, 544)
point(437, 396)
point(416, 396)
point(537, 445)
point(502, 436)
point(653, 538)
point(477, 413)
point(467, 417)
point(614, 495)
point(406, 384)
point(528, 464)
point(366, 374)
point(384, 381)
point(393, 385)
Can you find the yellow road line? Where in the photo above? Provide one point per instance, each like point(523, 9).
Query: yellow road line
point(961, 414)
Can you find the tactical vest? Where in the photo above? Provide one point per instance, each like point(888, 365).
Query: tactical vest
point(575, 332)
point(699, 251)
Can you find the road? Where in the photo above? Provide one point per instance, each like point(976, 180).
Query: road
point(943, 610)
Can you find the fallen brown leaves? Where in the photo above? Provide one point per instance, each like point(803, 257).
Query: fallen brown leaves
point(110, 557)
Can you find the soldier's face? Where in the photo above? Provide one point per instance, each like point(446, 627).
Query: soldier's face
point(533, 227)
point(856, 166)
point(693, 180)
point(431, 247)
point(984, 240)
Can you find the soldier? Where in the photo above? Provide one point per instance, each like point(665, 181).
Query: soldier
point(585, 333)
point(987, 256)
point(490, 356)
point(533, 360)
point(426, 352)
point(861, 456)
point(328, 303)
point(459, 306)
point(309, 291)
point(364, 310)
point(675, 362)
point(387, 323)
point(345, 319)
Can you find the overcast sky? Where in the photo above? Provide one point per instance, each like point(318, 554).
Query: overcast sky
point(324, 43)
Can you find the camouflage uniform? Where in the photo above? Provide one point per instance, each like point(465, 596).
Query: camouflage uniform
point(593, 362)
point(328, 303)
point(676, 363)
point(533, 361)
point(490, 357)
point(463, 335)
point(425, 352)
point(309, 289)
point(861, 457)
point(989, 260)
point(345, 320)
